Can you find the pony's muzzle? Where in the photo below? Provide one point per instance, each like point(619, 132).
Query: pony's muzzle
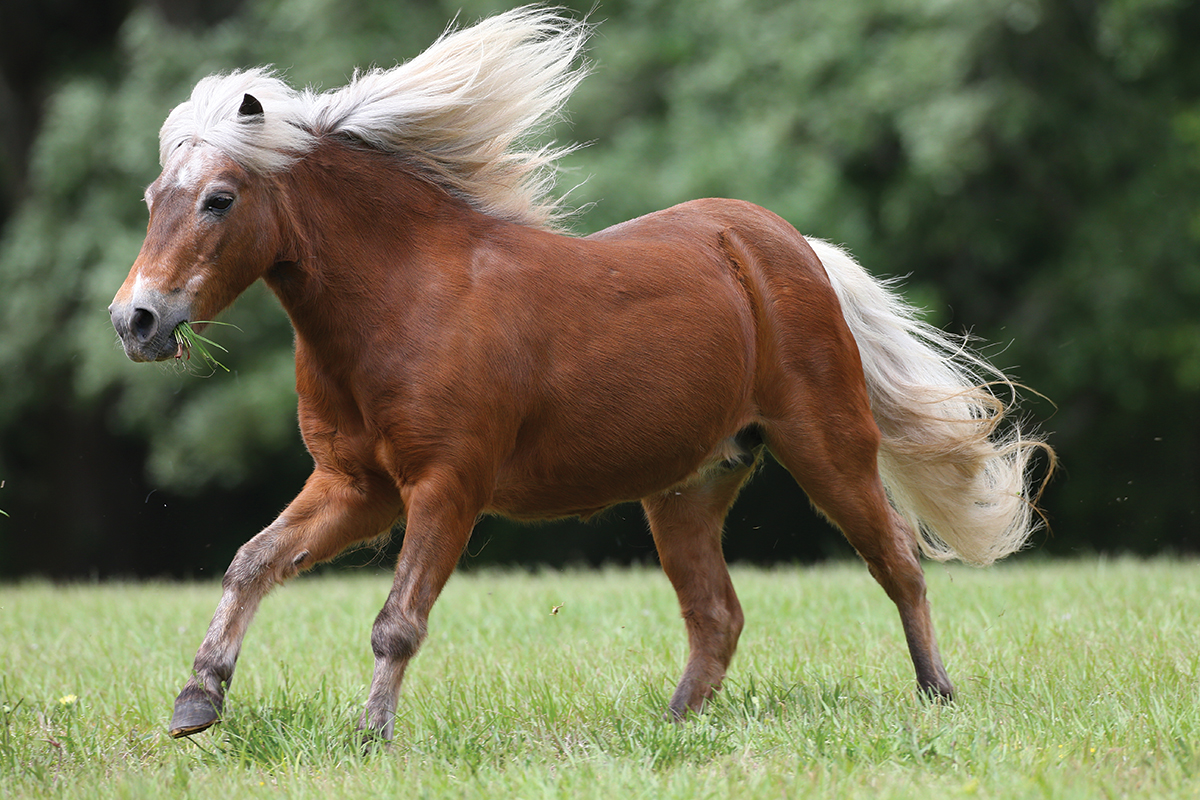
point(147, 329)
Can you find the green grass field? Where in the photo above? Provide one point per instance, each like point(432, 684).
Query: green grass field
point(1075, 680)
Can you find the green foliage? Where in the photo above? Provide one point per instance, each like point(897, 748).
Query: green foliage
point(1075, 680)
point(1032, 164)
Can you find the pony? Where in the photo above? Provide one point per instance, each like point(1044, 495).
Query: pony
point(458, 354)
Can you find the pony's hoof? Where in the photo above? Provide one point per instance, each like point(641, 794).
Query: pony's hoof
point(193, 713)
point(942, 695)
point(370, 741)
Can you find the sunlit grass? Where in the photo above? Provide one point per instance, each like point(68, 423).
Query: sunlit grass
point(1075, 680)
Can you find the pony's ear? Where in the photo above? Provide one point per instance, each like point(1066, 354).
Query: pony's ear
point(250, 107)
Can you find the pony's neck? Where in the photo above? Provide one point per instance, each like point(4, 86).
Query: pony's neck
point(362, 228)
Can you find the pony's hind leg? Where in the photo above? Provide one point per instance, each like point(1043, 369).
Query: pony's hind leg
point(831, 448)
point(328, 515)
point(687, 523)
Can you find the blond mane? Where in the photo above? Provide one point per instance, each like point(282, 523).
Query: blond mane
point(468, 111)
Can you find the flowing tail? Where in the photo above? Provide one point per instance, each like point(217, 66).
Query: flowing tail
point(952, 470)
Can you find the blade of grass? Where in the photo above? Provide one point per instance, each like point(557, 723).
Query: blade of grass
point(190, 340)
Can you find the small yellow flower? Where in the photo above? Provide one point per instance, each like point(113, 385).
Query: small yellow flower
point(67, 700)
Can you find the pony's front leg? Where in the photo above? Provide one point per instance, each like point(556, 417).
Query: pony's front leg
point(439, 523)
point(330, 513)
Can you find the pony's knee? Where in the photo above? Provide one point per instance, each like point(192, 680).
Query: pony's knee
point(268, 558)
point(252, 567)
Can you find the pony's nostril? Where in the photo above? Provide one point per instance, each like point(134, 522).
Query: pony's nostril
point(144, 324)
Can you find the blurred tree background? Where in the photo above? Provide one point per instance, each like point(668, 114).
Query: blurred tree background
point(1033, 166)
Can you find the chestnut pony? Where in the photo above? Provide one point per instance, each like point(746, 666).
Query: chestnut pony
point(456, 356)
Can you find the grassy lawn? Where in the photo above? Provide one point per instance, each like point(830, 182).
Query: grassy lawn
point(1075, 679)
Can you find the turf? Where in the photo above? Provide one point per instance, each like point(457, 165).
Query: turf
point(1075, 679)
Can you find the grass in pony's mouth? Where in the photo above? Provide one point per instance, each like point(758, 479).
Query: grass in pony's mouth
point(189, 340)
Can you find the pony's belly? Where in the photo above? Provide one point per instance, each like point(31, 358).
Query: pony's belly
point(546, 491)
point(572, 491)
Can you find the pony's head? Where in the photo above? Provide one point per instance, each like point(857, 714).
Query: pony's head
point(213, 229)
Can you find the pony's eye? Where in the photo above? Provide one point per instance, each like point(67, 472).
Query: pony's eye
point(218, 203)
